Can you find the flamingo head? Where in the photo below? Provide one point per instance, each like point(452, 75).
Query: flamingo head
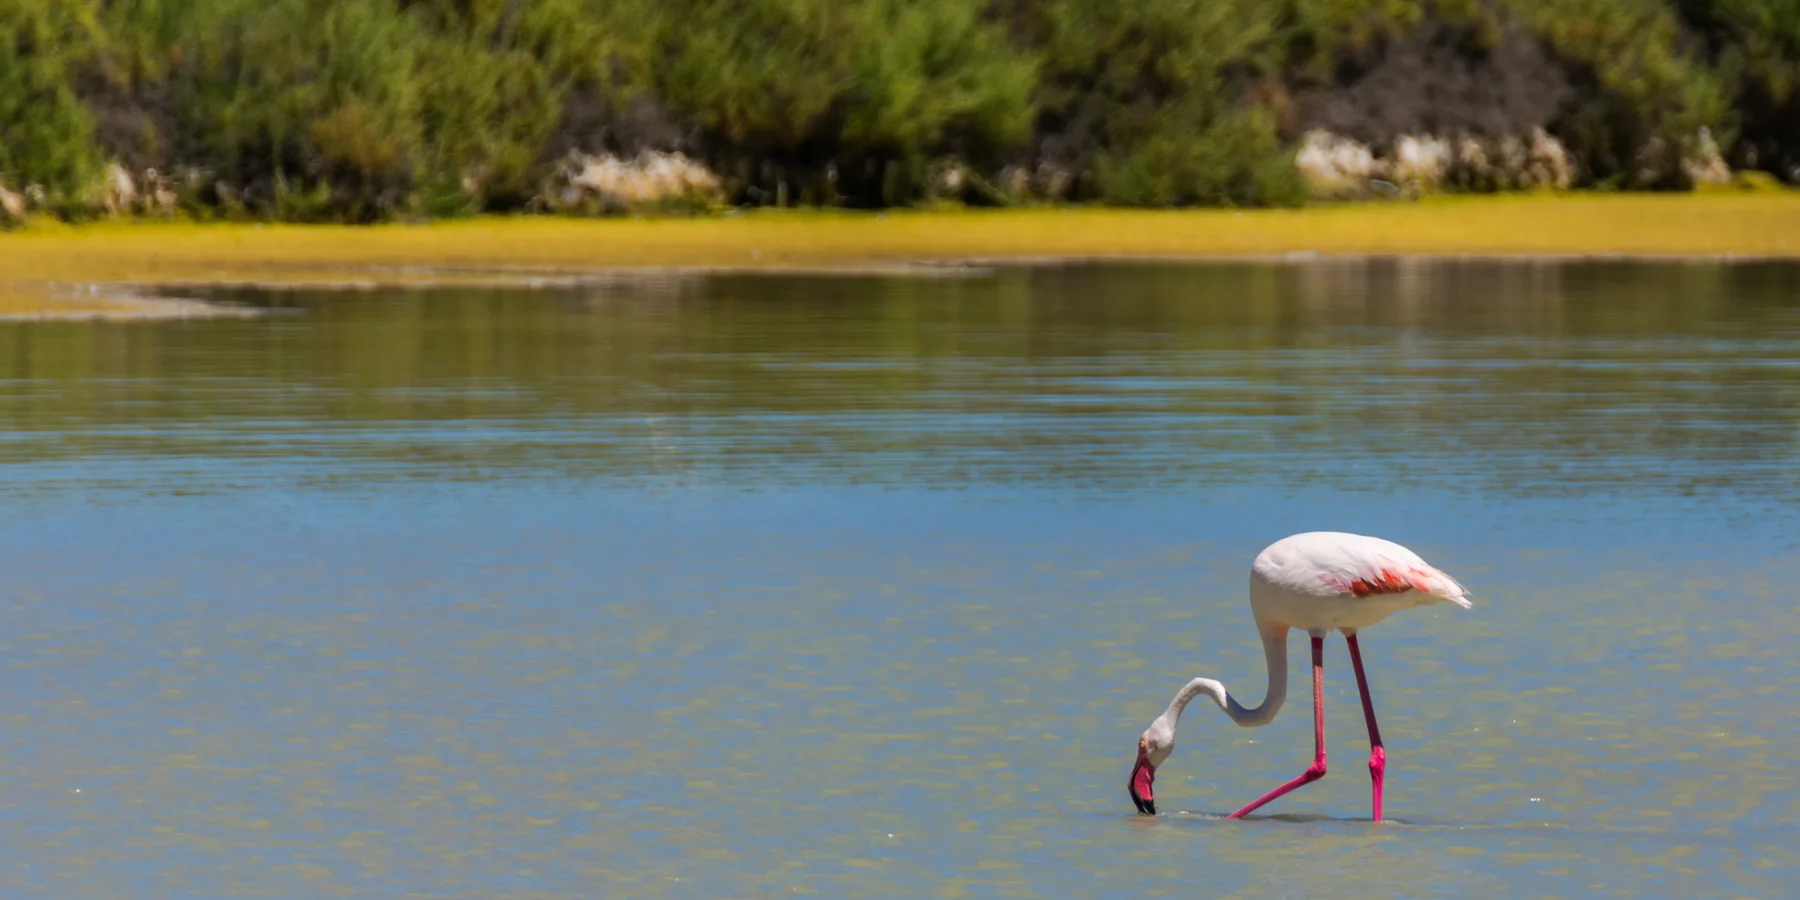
point(1157, 742)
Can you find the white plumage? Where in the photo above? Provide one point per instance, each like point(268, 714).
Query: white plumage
point(1328, 581)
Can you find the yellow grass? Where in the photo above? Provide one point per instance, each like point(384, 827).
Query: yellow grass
point(1707, 224)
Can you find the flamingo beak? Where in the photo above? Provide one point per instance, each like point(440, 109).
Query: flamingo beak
point(1143, 775)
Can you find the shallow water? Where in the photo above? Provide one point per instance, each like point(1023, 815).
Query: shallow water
point(866, 586)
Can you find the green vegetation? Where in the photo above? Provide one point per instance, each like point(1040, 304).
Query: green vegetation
point(361, 110)
point(1755, 46)
point(46, 133)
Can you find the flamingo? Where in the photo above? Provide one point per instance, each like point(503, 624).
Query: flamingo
point(1318, 581)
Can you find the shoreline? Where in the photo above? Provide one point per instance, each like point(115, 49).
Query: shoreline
point(115, 269)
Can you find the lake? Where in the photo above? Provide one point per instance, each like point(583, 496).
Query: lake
point(866, 586)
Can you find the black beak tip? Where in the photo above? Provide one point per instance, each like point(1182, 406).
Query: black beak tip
point(1147, 807)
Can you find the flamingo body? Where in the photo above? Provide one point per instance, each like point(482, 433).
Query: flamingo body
point(1327, 581)
point(1318, 582)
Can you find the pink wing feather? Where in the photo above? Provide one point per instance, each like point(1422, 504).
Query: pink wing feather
point(1398, 578)
point(1357, 565)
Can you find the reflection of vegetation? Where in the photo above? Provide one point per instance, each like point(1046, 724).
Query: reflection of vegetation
point(1522, 376)
point(356, 109)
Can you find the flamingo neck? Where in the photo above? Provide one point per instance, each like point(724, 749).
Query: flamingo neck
point(1275, 654)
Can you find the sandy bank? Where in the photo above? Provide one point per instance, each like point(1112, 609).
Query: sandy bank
point(35, 302)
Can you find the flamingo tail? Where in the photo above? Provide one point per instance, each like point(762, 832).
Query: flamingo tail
point(1437, 584)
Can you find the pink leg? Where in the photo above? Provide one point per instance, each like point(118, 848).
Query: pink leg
point(1377, 754)
point(1317, 770)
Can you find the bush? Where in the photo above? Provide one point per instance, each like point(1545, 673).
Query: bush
point(1147, 95)
point(846, 99)
point(1755, 44)
point(486, 114)
point(46, 133)
point(1646, 98)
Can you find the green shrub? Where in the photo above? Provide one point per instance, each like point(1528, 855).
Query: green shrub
point(1149, 96)
point(860, 92)
point(46, 133)
point(1654, 96)
point(356, 110)
point(1755, 45)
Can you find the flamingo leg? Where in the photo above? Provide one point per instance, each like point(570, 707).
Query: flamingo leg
point(1377, 753)
point(1315, 771)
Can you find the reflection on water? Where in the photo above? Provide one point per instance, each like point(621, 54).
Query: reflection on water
point(866, 586)
point(1519, 377)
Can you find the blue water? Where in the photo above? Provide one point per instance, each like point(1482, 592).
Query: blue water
point(867, 586)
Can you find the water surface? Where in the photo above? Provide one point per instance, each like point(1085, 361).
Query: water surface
point(866, 586)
